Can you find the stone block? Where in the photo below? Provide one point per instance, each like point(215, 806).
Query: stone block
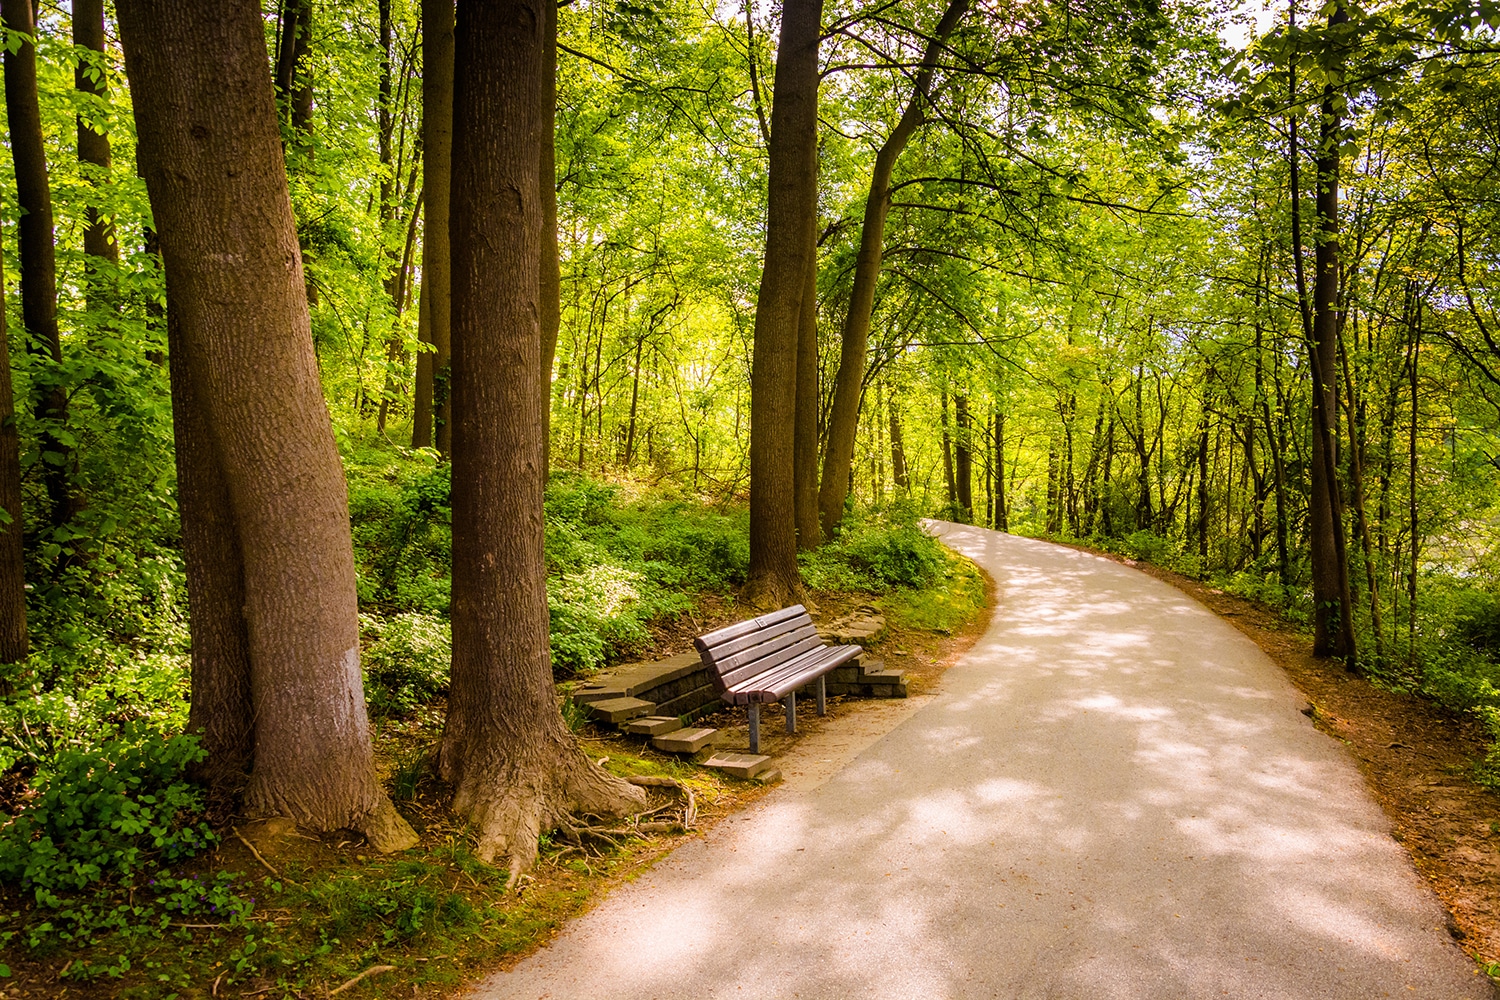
point(618, 710)
point(684, 740)
point(740, 765)
point(771, 777)
point(654, 725)
point(880, 677)
point(843, 675)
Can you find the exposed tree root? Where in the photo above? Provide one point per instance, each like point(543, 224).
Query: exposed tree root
point(512, 808)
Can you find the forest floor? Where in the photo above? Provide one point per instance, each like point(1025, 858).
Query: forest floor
point(1416, 756)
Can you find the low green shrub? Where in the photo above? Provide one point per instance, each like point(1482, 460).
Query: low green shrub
point(108, 812)
point(406, 661)
point(876, 550)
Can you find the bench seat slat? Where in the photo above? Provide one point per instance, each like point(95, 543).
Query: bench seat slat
point(776, 684)
point(725, 650)
point(771, 663)
point(720, 636)
point(767, 654)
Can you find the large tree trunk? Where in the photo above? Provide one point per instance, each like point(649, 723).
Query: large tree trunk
point(515, 769)
point(222, 707)
point(93, 147)
point(848, 386)
point(551, 276)
point(437, 168)
point(14, 642)
point(209, 145)
point(38, 258)
point(421, 404)
point(805, 444)
point(792, 199)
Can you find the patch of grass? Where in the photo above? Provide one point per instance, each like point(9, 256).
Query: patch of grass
point(952, 599)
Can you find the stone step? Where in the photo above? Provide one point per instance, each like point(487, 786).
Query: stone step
point(685, 740)
point(690, 701)
point(740, 765)
point(618, 710)
point(654, 725)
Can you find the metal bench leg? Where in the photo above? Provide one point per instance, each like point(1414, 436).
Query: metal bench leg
point(791, 712)
point(755, 729)
point(822, 696)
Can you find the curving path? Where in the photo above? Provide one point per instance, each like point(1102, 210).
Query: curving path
point(1113, 796)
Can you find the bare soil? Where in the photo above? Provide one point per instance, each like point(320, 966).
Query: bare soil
point(1416, 756)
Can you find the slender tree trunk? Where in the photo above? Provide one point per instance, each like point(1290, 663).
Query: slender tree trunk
point(1411, 496)
point(421, 404)
point(963, 465)
point(773, 578)
point(1203, 518)
point(551, 274)
point(437, 160)
point(805, 445)
point(843, 419)
point(899, 473)
point(93, 148)
point(1002, 501)
point(1331, 592)
point(38, 259)
point(205, 115)
point(948, 476)
point(14, 642)
point(515, 769)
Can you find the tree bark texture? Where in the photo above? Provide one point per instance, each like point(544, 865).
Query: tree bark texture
point(93, 147)
point(774, 581)
point(14, 642)
point(38, 257)
point(805, 443)
point(437, 166)
point(211, 153)
point(515, 769)
point(848, 387)
point(551, 276)
point(222, 708)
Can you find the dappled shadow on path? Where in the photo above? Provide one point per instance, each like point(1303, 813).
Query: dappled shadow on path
point(1113, 797)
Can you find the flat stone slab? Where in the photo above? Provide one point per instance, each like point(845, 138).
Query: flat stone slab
point(632, 679)
point(618, 710)
point(654, 725)
point(740, 765)
point(684, 740)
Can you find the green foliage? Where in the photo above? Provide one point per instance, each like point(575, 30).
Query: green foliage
point(406, 661)
point(110, 812)
point(875, 551)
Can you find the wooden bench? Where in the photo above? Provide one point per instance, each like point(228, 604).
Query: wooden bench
point(767, 659)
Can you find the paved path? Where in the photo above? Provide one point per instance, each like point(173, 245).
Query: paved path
point(1113, 796)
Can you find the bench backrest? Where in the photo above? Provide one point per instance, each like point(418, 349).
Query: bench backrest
point(752, 647)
